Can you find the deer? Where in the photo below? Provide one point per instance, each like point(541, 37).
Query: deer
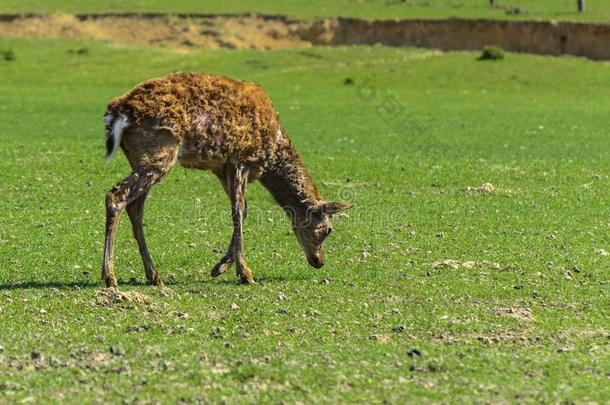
point(208, 122)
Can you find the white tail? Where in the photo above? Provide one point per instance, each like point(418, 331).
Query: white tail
point(114, 131)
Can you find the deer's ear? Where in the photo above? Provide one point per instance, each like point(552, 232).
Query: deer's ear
point(331, 208)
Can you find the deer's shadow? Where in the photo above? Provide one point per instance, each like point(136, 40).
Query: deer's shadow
point(37, 285)
point(41, 285)
point(227, 280)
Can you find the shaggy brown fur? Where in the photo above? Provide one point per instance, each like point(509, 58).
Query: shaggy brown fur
point(215, 123)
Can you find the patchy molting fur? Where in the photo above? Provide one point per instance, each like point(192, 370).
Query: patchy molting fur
point(216, 123)
point(213, 115)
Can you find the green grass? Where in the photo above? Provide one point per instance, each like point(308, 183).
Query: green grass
point(597, 10)
point(535, 127)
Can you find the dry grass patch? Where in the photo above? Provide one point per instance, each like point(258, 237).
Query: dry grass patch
point(469, 264)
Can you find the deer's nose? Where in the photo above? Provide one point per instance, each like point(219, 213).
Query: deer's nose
point(316, 261)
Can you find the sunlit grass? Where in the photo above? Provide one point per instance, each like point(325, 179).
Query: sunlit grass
point(403, 139)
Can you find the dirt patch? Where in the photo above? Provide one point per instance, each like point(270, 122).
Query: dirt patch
point(165, 30)
point(271, 32)
point(384, 338)
point(485, 188)
point(457, 264)
point(110, 297)
point(523, 314)
point(511, 337)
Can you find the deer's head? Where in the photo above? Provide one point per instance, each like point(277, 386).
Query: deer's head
point(313, 227)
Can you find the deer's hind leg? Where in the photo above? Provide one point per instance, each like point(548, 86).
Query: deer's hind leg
point(135, 210)
point(133, 187)
point(150, 162)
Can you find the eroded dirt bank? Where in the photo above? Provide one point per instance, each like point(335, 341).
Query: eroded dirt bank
point(271, 32)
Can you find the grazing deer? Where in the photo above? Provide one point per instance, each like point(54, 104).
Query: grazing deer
point(209, 122)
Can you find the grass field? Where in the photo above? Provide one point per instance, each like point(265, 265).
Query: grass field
point(519, 315)
point(597, 10)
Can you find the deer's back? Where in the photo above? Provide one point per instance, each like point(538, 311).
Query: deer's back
point(213, 118)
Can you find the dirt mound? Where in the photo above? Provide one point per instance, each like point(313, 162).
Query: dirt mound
point(109, 297)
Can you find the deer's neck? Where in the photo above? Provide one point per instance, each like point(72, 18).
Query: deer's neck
point(289, 182)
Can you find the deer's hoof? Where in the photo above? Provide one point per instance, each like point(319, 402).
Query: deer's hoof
point(155, 280)
point(220, 268)
point(246, 278)
point(110, 282)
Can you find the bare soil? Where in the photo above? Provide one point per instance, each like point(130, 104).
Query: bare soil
point(254, 32)
point(264, 32)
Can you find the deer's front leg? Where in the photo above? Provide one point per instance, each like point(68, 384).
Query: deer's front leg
point(234, 179)
point(238, 179)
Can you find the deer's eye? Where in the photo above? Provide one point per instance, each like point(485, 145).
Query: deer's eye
point(326, 233)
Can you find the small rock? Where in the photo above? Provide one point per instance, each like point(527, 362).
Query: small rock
point(216, 333)
point(181, 315)
point(117, 350)
point(313, 312)
point(422, 369)
point(415, 353)
point(234, 306)
point(54, 362)
point(514, 10)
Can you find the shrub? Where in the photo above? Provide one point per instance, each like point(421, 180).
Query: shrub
point(79, 51)
point(7, 54)
point(492, 53)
